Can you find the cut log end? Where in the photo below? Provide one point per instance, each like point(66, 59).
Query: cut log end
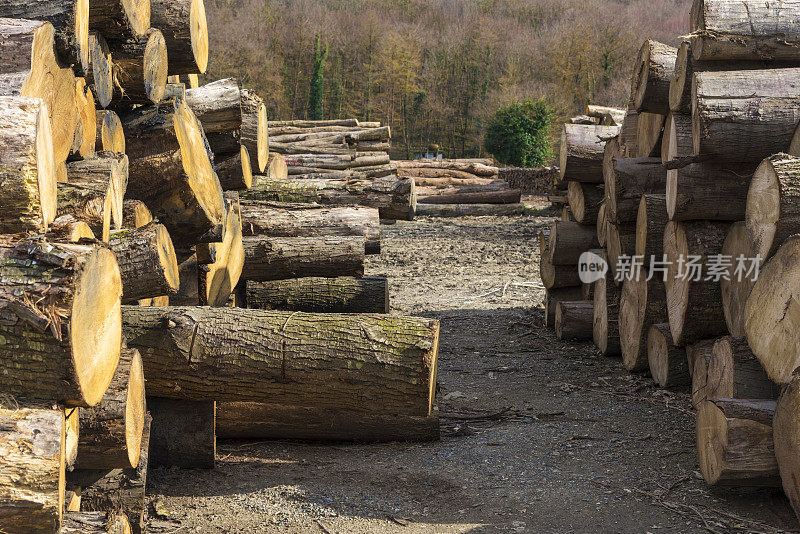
point(155, 66)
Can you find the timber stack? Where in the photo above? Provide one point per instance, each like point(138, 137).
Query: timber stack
point(127, 253)
point(702, 225)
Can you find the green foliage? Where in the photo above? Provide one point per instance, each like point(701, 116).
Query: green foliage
point(316, 91)
point(519, 134)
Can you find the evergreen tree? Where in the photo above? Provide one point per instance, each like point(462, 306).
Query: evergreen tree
point(317, 87)
point(519, 134)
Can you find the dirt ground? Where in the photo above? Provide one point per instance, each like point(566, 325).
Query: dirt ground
point(538, 435)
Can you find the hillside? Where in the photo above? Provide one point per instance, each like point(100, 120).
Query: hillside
point(436, 69)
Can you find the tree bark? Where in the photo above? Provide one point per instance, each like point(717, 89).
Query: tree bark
point(469, 210)
point(395, 369)
point(29, 67)
point(147, 262)
point(642, 304)
point(183, 433)
point(140, 68)
point(677, 140)
point(694, 303)
point(773, 204)
point(735, 373)
point(27, 166)
point(734, 443)
point(135, 214)
point(734, 287)
point(183, 23)
point(556, 295)
point(254, 133)
point(627, 181)
point(395, 198)
point(110, 132)
point(668, 364)
point(574, 319)
point(277, 258)
point(786, 435)
point(234, 172)
point(120, 19)
point(568, 240)
point(343, 294)
point(708, 190)
point(582, 148)
point(95, 523)
point(217, 105)
point(772, 317)
point(651, 77)
point(31, 467)
point(584, 201)
point(508, 196)
point(744, 116)
point(111, 432)
point(60, 304)
point(650, 224)
point(605, 329)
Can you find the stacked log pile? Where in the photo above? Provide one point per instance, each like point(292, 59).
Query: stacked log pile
point(704, 176)
point(123, 241)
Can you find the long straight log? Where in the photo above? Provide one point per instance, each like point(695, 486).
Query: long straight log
point(470, 210)
point(62, 320)
point(735, 373)
point(183, 23)
point(27, 166)
point(147, 261)
point(277, 258)
point(708, 190)
point(380, 360)
point(668, 364)
point(651, 77)
point(582, 148)
point(509, 196)
point(642, 304)
point(343, 294)
point(734, 443)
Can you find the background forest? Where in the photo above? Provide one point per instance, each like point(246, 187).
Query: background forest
point(435, 70)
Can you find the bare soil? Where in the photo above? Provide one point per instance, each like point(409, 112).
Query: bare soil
point(538, 435)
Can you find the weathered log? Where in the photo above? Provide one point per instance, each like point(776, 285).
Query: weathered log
point(469, 210)
point(87, 113)
point(773, 204)
point(649, 134)
point(182, 433)
point(303, 220)
point(786, 435)
point(277, 258)
point(254, 132)
point(694, 300)
point(70, 229)
point(574, 319)
point(735, 373)
point(104, 490)
point(651, 77)
point(508, 196)
point(650, 224)
point(620, 243)
point(395, 198)
point(170, 172)
point(95, 523)
point(110, 132)
point(217, 105)
point(698, 355)
point(708, 190)
point(725, 30)
point(668, 364)
point(627, 181)
point(628, 133)
point(70, 20)
point(62, 320)
point(29, 67)
point(556, 295)
point(735, 444)
point(602, 223)
point(772, 317)
point(101, 74)
point(219, 277)
point(276, 167)
point(135, 214)
point(31, 467)
point(234, 172)
point(734, 285)
point(558, 276)
point(744, 116)
point(605, 329)
point(582, 148)
point(343, 294)
point(140, 68)
point(251, 420)
point(120, 19)
point(27, 166)
point(677, 140)
point(111, 432)
point(584, 200)
point(568, 240)
point(642, 304)
point(395, 371)
point(147, 261)
point(183, 23)
point(96, 188)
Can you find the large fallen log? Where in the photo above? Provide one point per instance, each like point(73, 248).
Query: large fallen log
point(628, 133)
point(625, 183)
point(61, 308)
point(574, 319)
point(772, 316)
point(29, 67)
point(170, 172)
point(357, 362)
point(70, 229)
point(735, 286)
point(568, 240)
point(557, 276)
point(507, 196)
point(217, 105)
point(651, 77)
point(786, 435)
point(469, 210)
point(31, 467)
point(668, 364)
point(735, 373)
point(343, 294)
point(183, 23)
point(724, 30)
point(584, 201)
point(694, 299)
point(147, 261)
point(735, 444)
point(182, 433)
point(642, 304)
point(276, 167)
point(251, 420)
point(476, 169)
point(111, 432)
point(744, 116)
point(27, 166)
point(277, 258)
point(708, 190)
point(606, 115)
point(103, 180)
point(605, 329)
point(394, 197)
point(303, 220)
point(582, 148)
